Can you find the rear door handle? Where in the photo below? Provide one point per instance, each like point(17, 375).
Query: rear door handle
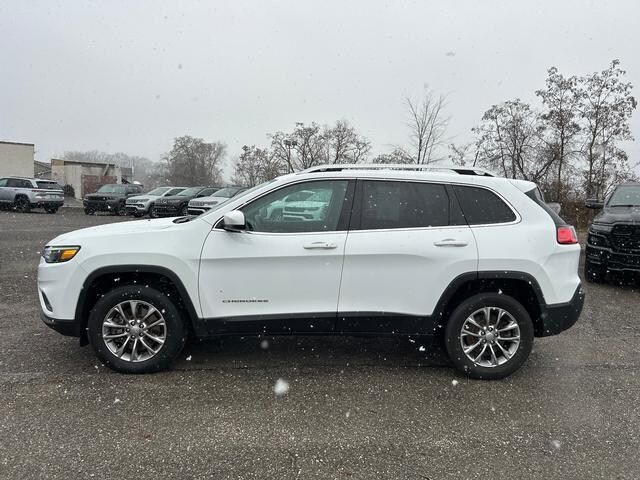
point(451, 242)
point(320, 245)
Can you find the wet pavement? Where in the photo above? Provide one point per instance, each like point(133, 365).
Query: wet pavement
point(356, 408)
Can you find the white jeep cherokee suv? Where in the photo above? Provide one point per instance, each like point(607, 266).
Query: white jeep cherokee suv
point(455, 255)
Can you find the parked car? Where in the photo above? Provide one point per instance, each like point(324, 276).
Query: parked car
point(25, 193)
point(110, 198)
point(177, 205)
point(200, 205)
point(477, 262)
point(141, 205)
point(613, 242)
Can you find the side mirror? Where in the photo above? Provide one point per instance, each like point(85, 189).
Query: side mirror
point(555, 206)
point(233, 221)
point(593, 203)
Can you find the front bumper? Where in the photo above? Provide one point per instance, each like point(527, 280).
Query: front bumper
point(610, 260)
point(101, 206)
point(69, 328)
point(167, 210)
point(136, 208)
point(559, 317)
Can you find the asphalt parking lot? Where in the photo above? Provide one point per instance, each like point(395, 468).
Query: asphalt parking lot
point(356, 407)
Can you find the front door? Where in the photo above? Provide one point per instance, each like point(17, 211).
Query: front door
point(281, 275)
point(408, 241)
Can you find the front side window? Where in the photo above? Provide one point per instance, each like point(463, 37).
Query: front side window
point(121, 189)
point(481, 206)
point(3, 182)
point(174, 191)
point(391, 204)
point(318, 212)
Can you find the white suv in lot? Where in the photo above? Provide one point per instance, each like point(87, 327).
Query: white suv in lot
point(453, 255)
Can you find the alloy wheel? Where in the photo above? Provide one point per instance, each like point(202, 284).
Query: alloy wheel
point(134, 330)
point(490, 336)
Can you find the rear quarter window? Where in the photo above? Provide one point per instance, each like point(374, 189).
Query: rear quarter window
point(482, 207)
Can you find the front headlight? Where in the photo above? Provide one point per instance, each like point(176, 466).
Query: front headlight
point(601, 227)
point(59, 254)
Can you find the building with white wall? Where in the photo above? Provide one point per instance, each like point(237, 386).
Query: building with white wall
point(16, 159)
point(87, 177)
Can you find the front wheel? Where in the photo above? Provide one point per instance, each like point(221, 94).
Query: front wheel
point(489, 336)
point(136, 329)
point(184, 211)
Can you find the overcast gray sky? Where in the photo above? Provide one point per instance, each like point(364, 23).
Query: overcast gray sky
point(131, 75)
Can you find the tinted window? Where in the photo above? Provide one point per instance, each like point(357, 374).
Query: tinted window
point(403, 205)
point(3, 182)
point(48, 185)
point(208, 191)
point(481, 206)
point(174, 191)
point(320, 212)
point(18, 183)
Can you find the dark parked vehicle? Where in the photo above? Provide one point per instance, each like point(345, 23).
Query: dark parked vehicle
point(613, 243)
point(110, 198)
point(177, 205)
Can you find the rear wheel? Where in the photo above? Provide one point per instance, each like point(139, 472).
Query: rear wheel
point(22, 205)
point(594, 273)
point(489, 336)
point(136, 329)
point(88, 211)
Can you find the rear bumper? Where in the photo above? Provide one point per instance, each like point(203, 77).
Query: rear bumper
point(69, 328)
point(48, 203)
point(559, 317)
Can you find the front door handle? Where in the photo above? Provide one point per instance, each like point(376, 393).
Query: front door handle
point(320, 245)
point(451, 242)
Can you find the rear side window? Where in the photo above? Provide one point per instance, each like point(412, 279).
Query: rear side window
point(403, 205)
point(481, 206)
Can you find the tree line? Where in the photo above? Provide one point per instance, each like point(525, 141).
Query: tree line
point(571, 143)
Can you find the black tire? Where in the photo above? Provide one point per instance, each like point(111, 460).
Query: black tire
point(88, 211)
point(22, 204)
point(594, 273)
point(153, 213)
point(176, 333)
point(184, 211)
point(138, 214)
point(458, 318)
point(51, 210)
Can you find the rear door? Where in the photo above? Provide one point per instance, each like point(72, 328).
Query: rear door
point(407, 242)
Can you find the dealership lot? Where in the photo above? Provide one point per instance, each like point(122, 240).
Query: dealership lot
point(355, 408)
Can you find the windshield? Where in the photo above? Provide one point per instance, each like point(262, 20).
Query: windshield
point(49, 185)
point(239, 196)
point(625, 196)
point(175, 191)
point(190, 192)
point(112, 189)
point(226, 192)
point(158, 191)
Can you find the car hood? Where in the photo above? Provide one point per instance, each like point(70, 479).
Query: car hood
point(619, 215)
point(142, 197)
point(112, 229)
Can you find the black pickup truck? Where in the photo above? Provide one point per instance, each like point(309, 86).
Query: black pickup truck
point(613, 243)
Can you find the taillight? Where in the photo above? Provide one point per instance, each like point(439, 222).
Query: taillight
point(566, 235)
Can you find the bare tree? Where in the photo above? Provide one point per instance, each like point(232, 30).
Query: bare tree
point(560, 98)
point(397, 156)
point(255, 166)
point(606, 106)
point(427, 124)
point(509, 141)
point(192, 161)
point(466, 154)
